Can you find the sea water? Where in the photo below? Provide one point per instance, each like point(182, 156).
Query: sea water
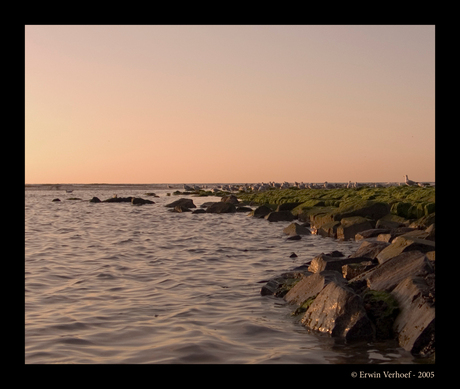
point(116, 283)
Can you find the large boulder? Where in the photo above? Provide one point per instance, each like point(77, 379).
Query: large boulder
point(372, 233)
point(260, 212)
point(389, 274)
point(280, 216)
point(328, 229)
point(221, 207)
point(415, 325)
point(230, 199)
point(394, 233)
point(187, 203)
point(326, 262)
point(350, 226)
point(310, 285)
point(403, 244)
point(369, 249)
point(339, 312)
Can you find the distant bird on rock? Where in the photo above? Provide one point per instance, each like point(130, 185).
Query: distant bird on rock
point(409, 182)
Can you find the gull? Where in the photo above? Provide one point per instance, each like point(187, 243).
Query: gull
point(409, 182)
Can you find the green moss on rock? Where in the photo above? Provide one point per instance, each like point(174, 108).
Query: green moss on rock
point(382, 308)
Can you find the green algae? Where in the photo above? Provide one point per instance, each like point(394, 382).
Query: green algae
point(382, 309)
point(304, 306)
point(408, 202)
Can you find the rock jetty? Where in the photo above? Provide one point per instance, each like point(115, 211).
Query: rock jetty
point(385, 290)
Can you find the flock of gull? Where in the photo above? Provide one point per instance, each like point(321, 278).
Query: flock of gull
point(260, 187)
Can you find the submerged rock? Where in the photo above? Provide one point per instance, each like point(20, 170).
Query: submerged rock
point(280, 216)
point(140, 201)
point(296, 229)
point(187, 203)
point(118, 200)
point(221, 207)
point(260, 212)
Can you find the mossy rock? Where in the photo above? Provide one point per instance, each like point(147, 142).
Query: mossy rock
point(429, 208)
point(303, 307)
point(382, 309)
point(401, 209)
point(416, 211)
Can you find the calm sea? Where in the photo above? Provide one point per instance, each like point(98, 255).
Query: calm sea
point(113, 283)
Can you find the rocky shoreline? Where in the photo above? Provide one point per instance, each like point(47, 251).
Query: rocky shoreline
point(385, 290)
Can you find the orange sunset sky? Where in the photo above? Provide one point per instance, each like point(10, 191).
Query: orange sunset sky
point(229, 103)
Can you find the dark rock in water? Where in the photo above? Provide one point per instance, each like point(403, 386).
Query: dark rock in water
point(415, 325)
point(187, 203)
point(339, 312)
point(280, 285)
point(56, 200)
point(221, 207)
point(403, 244)
point(336, 254)
point(230, 199)
point(369, 249)
point(207, 204)
point(310, 285)
point(180, 209)
point(243, 209)
point(118, 200)
point(328, 229)
point(371, 233)
point(326, 262)
point(261, 212)
point(389, 274)
point(200, 210)
point(140, 201)
point(287, 206)
point(296, 229)
point(294, 237)
point(280, 216)
point(350, 226)
point(95, 200)
point(293, 255)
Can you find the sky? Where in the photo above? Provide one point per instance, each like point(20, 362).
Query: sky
point(229, 103)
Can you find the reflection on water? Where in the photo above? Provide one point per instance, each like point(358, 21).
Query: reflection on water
point(116, 283)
